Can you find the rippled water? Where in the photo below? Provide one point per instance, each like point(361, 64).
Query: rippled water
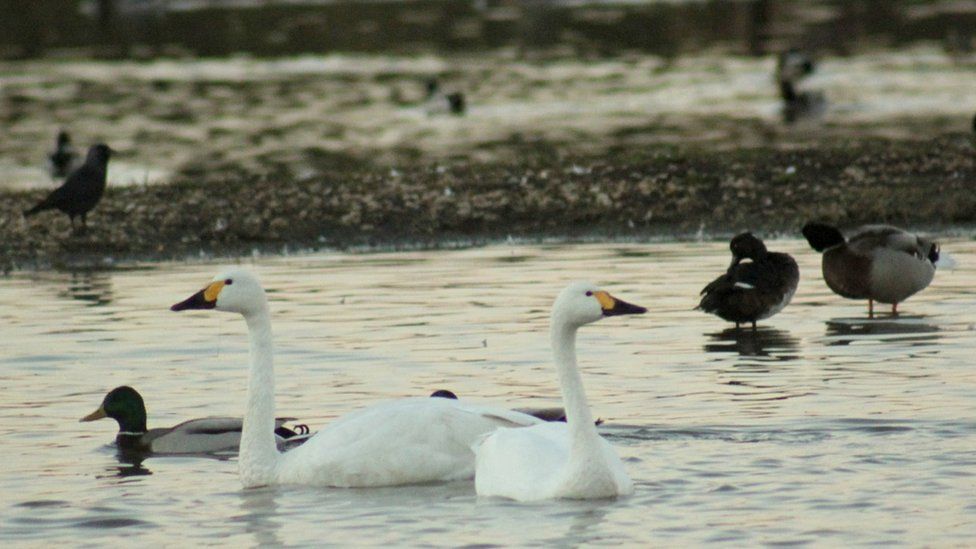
point(823, 426)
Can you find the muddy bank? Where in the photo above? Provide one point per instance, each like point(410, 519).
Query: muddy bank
point(631, 192)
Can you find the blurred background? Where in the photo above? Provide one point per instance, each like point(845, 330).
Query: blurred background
point(587, 28)
point(190, 88)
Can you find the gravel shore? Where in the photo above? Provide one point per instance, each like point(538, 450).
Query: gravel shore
point(635, 193)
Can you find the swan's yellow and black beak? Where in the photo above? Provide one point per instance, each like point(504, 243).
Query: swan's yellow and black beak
point(612, 306)
point(204, 299)
point(97, 414)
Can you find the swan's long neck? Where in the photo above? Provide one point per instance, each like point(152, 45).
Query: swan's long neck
point(583, 436)
point(259, 453)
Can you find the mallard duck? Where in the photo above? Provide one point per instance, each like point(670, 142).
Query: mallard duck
point(879, 263)
point(197, 436)
point(559, 460)
point(404, 441)
point(754, 290)
point(545, 414)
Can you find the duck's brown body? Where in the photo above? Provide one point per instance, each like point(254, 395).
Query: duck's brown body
point(879, 263)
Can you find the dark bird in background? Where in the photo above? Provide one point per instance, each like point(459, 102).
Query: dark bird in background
point(439, 102)
point(63, 158)
point(83, 188)
point(878, 263)
point(792, 67)
point(753, 290)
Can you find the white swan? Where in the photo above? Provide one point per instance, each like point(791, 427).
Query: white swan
point(406, 441)
point(558, 460)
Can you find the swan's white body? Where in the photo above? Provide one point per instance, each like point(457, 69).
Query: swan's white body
point(407, 441)
point(556, 460)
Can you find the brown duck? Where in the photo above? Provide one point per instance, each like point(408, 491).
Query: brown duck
point(878, 263)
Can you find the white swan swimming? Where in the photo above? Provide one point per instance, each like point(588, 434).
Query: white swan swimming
point(407, 441)
point(558, 460)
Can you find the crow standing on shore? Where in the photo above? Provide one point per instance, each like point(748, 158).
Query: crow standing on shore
point(83, 188)
point(63, 158)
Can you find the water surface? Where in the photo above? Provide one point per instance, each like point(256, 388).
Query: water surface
point(821, 427)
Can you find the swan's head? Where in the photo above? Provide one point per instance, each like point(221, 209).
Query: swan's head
point(582, 303)
point(235, 291)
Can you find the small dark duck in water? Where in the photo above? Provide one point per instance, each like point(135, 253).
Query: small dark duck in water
point(83, 188)
point(63, 159)
point(197, 436)
point(438, 102)
point(792, 67)
point(879, 263)
point(753, 290)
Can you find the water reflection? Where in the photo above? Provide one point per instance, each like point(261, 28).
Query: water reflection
point(844, 331)
point(763, 341)
point(92, 287)
point(130, 465)
point(259, 512)
point(584, 526)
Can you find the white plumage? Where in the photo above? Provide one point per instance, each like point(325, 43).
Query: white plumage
point(392, 443)
point(556, 460)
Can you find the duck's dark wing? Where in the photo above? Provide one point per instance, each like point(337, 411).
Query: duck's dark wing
point(752, 290)
point(739, 279)
point(549, 414)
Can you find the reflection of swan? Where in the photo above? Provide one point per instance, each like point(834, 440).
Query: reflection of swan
point(559, 460)
point(406, 441)
point(879, 263)
point(760, 342)
point(259, 513)
point(213, 434)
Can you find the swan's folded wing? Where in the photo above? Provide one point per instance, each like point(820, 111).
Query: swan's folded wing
point(398, 442)
point(502, 417)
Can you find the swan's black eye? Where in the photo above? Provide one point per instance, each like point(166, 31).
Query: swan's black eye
point(228, 282)
point(589, 293)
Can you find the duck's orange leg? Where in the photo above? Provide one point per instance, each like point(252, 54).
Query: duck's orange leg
point(894, 309)
point(870, 308)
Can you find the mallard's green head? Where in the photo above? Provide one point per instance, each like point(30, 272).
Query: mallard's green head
point(124, 405)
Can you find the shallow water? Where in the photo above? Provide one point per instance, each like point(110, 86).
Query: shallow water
point(821, 427)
